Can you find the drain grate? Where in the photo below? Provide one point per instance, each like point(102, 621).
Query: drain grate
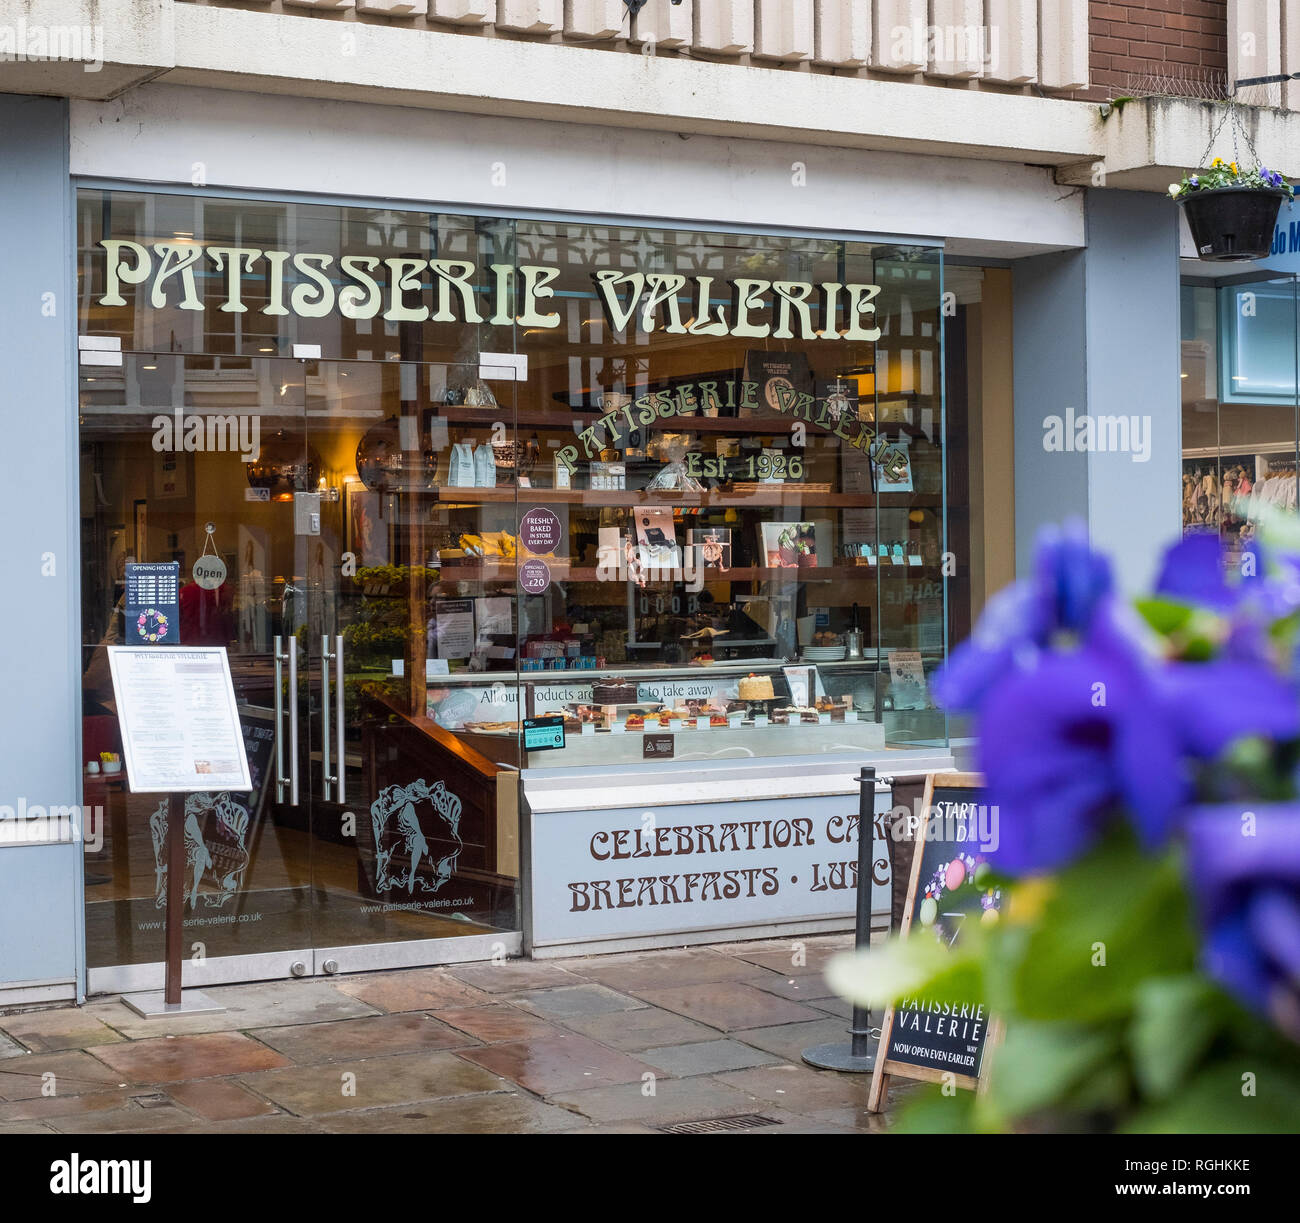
point(155, 1099)
point(721, 1125)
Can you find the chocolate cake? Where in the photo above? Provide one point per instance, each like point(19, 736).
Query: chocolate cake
point(613, 692)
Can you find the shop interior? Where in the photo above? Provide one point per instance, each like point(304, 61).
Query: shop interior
point(648, 545)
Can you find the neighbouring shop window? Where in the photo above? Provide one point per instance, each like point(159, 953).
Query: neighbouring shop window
point(1240, 420)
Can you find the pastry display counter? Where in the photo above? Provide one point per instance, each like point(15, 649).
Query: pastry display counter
point(758, 708)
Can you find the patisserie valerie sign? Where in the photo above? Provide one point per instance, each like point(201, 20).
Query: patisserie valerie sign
point(403, 288)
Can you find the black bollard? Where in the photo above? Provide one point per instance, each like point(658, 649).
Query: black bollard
point(858, 1055)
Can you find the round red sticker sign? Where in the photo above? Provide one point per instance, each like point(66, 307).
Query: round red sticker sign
point(534, 577)
point(540, 530)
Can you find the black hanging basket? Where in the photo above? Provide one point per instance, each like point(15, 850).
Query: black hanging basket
point(1232, 224)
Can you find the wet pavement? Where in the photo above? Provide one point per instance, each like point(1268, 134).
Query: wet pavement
point(625, 1043)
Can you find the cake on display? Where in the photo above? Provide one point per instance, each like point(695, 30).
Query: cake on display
point(757, 688)
point(613, 692)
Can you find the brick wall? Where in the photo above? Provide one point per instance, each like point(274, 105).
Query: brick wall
point(1157, 46)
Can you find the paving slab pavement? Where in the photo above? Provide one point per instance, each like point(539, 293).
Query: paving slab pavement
point(619, 1044)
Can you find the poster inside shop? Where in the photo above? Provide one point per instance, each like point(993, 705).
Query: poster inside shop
point(455, 618)
point(179, 720)
point(779, 375)
point(907, 679)
point(152, 603)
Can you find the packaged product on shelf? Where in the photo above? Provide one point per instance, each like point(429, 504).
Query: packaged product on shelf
point(460, 471)
point(485, 467)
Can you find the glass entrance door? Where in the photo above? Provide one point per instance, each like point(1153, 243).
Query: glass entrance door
point(414, 833)
point(361, 845)
point(193, 461)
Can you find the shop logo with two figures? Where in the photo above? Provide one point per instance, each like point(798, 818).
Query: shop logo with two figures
point(217, 851)
point(417, 836)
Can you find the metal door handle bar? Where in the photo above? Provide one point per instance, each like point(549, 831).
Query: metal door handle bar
point(338, 717)
point(333, 762)
point(293, 720)
point(280, 779)
point(326, 773)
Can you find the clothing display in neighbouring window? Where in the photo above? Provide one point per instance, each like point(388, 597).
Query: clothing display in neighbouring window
point(1229, 496)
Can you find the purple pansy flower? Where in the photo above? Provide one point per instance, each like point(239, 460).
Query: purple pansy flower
point(1078, 723)
point(1246, 875)
point(1069, 744)
point(1070, 593)
point(1192, 571)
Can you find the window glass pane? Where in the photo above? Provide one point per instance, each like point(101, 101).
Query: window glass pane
point(1239, 352)
point(707, 479)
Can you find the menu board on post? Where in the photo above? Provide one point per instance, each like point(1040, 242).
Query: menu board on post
point(180, 734)
point(932, 1040)
point(179, 721)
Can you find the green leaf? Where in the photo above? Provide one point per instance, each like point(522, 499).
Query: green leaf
point(1197, 648)
point(1116, 917)
point(1164, 615)
point(1038, 1065)
point(911, 967)
point(1105, 1091)
point(1246, 1095)
point(929, 1111)
point(1175, 1021)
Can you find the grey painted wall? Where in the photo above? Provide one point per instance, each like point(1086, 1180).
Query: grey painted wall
point(1097, 331)
point(1133, 363)
point(41, 884)
point(1051, 376)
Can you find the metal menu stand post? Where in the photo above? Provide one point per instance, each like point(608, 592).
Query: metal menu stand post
point(858, 1056)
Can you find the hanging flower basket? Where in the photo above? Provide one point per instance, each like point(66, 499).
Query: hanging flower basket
point(1231, 213)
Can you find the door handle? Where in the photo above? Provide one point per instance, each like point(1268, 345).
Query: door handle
point(326, 773)
point(332, 774)
point(280, 779)
point(291, 779)
point(338, 718)
point(293, 720)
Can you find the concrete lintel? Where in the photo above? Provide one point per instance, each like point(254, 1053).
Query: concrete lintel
point(1152, 142)
point(237, 49)
point(85, 48)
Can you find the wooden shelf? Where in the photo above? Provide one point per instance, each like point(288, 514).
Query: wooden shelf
point(562, 421)
point(562, 571)
point(777, 495)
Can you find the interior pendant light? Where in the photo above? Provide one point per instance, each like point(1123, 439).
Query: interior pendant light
point(385, 465)
point(284, 466)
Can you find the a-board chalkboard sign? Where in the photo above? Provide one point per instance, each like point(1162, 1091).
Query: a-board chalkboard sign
point(933, 1040)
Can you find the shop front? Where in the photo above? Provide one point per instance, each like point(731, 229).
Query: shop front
point(500, 519)
point(1240, 399)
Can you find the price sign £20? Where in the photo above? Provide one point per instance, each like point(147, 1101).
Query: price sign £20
point(534, 577)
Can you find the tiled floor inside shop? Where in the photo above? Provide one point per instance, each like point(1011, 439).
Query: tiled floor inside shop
point(628, 1043)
